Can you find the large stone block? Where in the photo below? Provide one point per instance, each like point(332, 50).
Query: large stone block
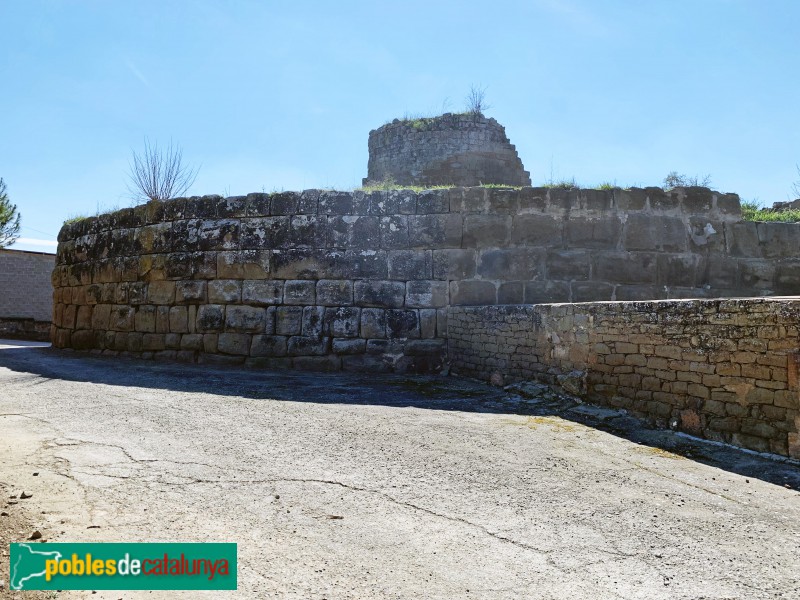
point(626, 267)
point(258, 204)
point(243, 264)
point(299, 292)
point(387, 294)
point(354, 264)
point(402, 323)
point(354, 232)
point(190, 292)
point(224, 291)
point(348, 346)
point(649, 232)
point(289, 320)
point(588, 232)
point(100, 317)
point(284, 203)
point(393, 232)
point(335, 203)
point(536, 230)
point(300, 263)
point(472, 292)
point(426, 294)
point(373, 323)
point(268, 345)
point(265, 233)
point(677, 269)
point(161, 292)
point(145, 319)
point(234, 343)
point(245, 318)
point(591, 291)
point(121, 318)
point(342, 322)
point(511, 263)
point(308, 231)
point(210, 318)
point(486, 231)
point(313, 321)
point(454, 264)
point(435, 231)
point(308, 346)
point(569, 265)
point(433, 202)
point(262, 292)
point(544, 292)
point(178, 319)
point(410, 264)
point(779, 240)
point(334, 292)
point(511, 292)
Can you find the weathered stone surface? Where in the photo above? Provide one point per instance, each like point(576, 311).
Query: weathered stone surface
point(245, 318)
point(224, 291)
point(511, 263)
point(402, 323)
point(386, 294)
point(649, 232)
point(210, 318)
point(334, 292)
point(299, 292)
point(262, 292)
point(410, 264)
point(348, 346)
point(313, 321)
point(288, 320)
point(426, 294)
point(471, 292)
point(342, 322)
point(234, 343)
point(190, 292)
point(435, 231)
point(373, 323)
point(486, 231)
point(268, 345)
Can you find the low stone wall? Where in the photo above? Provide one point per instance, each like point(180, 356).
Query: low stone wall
point(25, 291)
point(726, 370)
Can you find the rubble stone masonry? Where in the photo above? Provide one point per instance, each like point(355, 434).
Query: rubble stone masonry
point(724, 369)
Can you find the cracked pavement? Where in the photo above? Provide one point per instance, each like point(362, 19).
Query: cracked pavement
point(356, 486)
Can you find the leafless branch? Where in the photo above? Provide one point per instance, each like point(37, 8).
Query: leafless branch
point(158, 174)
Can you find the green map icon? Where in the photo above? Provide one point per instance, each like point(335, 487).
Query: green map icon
point(28, 565)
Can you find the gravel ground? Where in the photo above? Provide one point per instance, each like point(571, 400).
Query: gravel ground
point(346, 486)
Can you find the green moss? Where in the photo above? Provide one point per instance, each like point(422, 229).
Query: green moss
point(74, 219)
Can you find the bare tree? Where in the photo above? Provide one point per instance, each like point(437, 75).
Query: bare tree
point(159, 174)
point(476, 100)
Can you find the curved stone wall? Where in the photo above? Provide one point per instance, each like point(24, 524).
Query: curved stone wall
point(452, 149)
point(338, 280)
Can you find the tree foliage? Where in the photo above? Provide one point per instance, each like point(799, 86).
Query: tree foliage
point(9, 218)
point(674, 179)
point(159, 174)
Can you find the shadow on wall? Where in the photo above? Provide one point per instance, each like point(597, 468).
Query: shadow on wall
point(421, 392)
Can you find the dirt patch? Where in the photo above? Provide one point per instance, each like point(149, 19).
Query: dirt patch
point(18, 521)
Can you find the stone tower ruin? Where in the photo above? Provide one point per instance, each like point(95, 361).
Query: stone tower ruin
point(452, 149)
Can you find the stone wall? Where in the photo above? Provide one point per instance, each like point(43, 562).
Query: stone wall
point(726, 370)
point(25, 291)
point(331, 280)
point(453, 149)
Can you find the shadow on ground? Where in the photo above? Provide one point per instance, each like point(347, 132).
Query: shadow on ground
point(423, 392)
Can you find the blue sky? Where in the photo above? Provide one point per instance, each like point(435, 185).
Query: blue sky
point(282, 95)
